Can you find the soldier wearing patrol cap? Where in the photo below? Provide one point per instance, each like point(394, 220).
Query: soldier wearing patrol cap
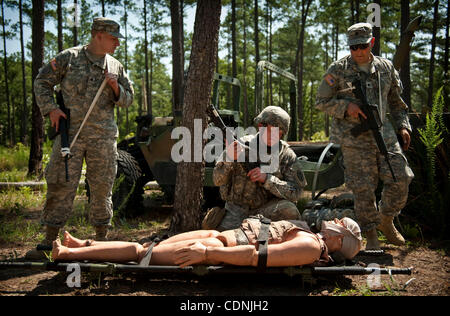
point(250, 192)
point(364, 167)
point(80, 71)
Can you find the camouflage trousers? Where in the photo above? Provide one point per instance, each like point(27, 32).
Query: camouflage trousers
point(101, 168)
point(276, 210)
point(363, 170)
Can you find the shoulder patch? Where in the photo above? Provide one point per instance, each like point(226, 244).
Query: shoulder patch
point(53, 64)
point(330, 80)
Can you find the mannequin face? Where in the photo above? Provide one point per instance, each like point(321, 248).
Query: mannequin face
point(333, 240)
point(334, 243)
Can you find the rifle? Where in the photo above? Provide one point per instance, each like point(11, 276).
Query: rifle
point(216, 119)
point(64, 132)
point(373, 122)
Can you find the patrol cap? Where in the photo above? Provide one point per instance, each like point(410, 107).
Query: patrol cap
point(275, 116)
point(107, 25)
point(359, 33)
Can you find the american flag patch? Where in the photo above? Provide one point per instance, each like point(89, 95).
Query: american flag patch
point(53, 64)
point(330, 80)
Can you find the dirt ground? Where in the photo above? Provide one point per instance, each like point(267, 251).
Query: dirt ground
point(430, 276)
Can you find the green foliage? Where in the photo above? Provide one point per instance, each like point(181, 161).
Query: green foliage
point(18, 229)
point(15, 158)
point(431, 136)
point(431, 187)
point(15, 200)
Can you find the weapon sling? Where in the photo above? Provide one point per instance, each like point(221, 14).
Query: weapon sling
point(100, 90)
point(91, 107)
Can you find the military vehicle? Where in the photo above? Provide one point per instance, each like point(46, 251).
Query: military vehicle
point(147, 156)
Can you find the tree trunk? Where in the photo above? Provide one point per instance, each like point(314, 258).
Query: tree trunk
point(244, 68)
point(354, 8)
point(60, 26)
point(405, 69)
point(311, 113)
point(13, 121)
point(75, 23)
point(305, 9)
point(103, 7)
point(446, 57)
point(125, 22)
point(37, 130)
point(190, 175)
point(150, 67)
point(257, 57)
point(5, 65)
point(376, 50)
point(147, 89)
point(269, 53)
point(233, 50)
point(357, 11)
point(176, 15)
point(24, 116)
point(433, 49)
point(327, 63)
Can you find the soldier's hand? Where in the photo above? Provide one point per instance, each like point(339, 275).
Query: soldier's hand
point(404, 134)
point(256, 175)
point(112, 82)
point(353, 110)
point(54, 117)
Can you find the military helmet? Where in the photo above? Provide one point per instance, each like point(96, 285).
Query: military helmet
point(275, 116)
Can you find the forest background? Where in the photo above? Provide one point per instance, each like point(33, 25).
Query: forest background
point(303, 37)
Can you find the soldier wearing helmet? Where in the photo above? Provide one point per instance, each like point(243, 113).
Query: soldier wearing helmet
point(254, 190)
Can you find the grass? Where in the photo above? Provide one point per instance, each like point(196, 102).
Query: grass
point(16, 200)
point(14, 162)
point(19, 229)
point(14, 158)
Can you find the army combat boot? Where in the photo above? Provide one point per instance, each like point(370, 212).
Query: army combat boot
point(388, 229)
point(51, 234)
point(101, 233)
point(372, 240)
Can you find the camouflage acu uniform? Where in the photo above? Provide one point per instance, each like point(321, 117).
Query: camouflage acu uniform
point(364, 165)
point(275, 199)
point(80, 75)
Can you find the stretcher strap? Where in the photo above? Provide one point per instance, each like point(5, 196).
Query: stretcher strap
point(263, 240)
point(145, 262)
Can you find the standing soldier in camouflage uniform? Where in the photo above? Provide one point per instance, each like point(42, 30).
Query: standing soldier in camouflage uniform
point(250, 192)
point(80, 72)
point(364, 166)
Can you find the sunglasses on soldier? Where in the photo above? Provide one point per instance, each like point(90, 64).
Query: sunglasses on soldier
point(359, 46)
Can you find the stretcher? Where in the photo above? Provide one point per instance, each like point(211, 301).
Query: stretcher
point(308, 273)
